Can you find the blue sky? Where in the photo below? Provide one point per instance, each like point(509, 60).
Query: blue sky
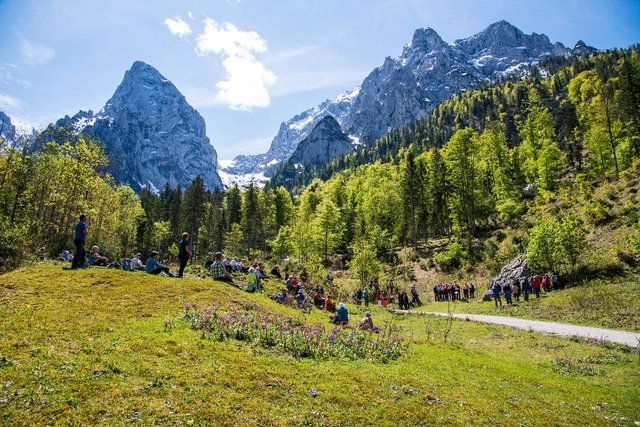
point(248, 65)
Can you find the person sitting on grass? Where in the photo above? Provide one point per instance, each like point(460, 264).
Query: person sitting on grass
point(300, 297)
point(136, 263)
point(96, 259)
point(154, 267)
point(208, 260)
point(281, 296)
point(275, 271)
point(366, 324)
point(342, 317)
point(329, 305)
point(251, 281)
point(219, 272)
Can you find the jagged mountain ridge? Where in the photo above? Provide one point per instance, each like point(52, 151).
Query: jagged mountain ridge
point(408, 87)
point(151, 134)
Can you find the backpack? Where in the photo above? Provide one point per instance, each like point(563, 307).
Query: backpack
point(126, 264)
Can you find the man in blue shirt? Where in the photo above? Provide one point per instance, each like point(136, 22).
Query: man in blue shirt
point(79, 238)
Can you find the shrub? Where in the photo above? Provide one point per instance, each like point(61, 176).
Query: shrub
point(12, 252)
point(451, 258)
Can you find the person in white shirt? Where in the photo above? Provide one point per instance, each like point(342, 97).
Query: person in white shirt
point(136, 263)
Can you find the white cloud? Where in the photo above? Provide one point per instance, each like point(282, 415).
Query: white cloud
point(190, 15)
point(33, 53)
point(178, 27)
point(6, 75)
point(247, 79)
point(9, 103)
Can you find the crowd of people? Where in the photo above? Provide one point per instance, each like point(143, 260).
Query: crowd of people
point(453, 292)
point(524, 287)
point(296, 291)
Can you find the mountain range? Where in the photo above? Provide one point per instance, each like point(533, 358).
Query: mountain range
point(153, 137)
point(408, 87)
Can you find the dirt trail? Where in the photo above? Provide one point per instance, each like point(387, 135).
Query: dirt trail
point(631, 339)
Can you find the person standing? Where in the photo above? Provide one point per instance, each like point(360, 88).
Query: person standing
point(79, 238)
point(365, 297)
point(496, 294)
point(184, 253)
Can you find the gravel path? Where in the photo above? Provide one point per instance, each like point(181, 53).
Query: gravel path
point(631, 339)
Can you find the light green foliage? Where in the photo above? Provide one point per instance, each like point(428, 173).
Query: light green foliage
point(327, 227)
point(44, 192)
point(282, 245)
point(461, 155)
point(549, 165)
point(451, 258)
point(634, 241)
point(364, 265)
point(536, 132)
point(602, 128)
point(235, 240)
point(557, 243)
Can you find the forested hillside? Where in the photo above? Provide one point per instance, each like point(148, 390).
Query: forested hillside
point(612, 88)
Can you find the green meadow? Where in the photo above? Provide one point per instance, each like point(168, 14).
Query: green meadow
point(108, 347)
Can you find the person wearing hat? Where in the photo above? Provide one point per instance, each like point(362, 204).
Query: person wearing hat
point(300, 297)
point(366, 324)
point(342, 315)
point(136, 263)
point(219, 272)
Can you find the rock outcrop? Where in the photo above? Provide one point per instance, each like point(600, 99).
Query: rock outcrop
point(325, 142)
point(516, 269)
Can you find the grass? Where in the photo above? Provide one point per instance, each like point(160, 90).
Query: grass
point(105, 347)
point(613, 304)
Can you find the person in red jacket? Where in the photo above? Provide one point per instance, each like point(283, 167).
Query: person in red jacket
point(536, 286)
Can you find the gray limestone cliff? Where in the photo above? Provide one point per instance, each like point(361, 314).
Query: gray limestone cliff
point(150, 133)
point(325, 142)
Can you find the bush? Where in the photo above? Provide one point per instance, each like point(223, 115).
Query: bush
point(12, 250)
point(452, 258)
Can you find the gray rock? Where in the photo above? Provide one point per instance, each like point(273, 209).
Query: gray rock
point(325, 142)
point(516, 269)
point(150, 133)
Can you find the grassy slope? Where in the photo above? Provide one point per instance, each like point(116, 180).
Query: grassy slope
point(92, 347)
point(613, 304)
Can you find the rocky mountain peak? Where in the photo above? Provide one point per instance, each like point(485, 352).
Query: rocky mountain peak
point(324, 142)
point(406, 88)
point(426, 39)
point(150, 132)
